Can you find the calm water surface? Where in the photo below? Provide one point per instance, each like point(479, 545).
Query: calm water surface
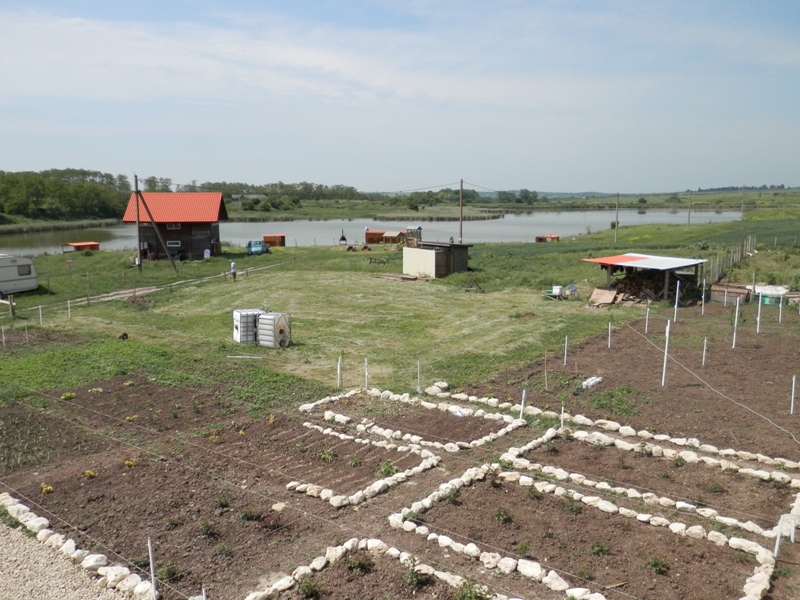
point(511, 228)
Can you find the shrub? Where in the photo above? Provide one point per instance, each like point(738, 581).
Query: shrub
point(325, 454)
point(453, 495)
point(387, 468)
point(502, 515)
point(222, 500)
point(573, 506)
point(414, 517)
point(207, 529)
point(598, 549)
point(360, 563)
point(250, 514)
point(354, 462)
point(309, 588)
point(471, 590)
point(657, 565)
point(224, 550)
point(412, 577)
point(169, 571)
point(521, 548)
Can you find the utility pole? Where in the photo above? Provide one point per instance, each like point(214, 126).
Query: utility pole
point(616, 220)
point(138, 229)
point(742, 215)
point(461, 213)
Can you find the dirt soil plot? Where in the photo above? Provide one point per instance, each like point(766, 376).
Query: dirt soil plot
point(206, 478)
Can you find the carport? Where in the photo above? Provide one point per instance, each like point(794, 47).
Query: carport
point(632, 261)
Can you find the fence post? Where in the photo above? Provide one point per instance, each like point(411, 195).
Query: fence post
point(152, 568)
point(666, 355)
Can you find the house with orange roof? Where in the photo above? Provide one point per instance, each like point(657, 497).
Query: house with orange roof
point(188, 223)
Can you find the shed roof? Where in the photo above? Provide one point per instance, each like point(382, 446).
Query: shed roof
point(178, 207)
point(647, 261)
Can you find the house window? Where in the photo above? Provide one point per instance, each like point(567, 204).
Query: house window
point(173, 243)
point(173, 225)
point(23, 270)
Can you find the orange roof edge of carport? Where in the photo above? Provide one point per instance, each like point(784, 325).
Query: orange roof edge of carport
point(614, 260)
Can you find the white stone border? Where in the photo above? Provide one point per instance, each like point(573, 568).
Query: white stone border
point(367, 426)
point(755, 587)
point(117, 578)
point(429, 460)
point(512, 456)
point(335, 553)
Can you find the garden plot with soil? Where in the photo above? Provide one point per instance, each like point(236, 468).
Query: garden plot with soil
point(206, 479)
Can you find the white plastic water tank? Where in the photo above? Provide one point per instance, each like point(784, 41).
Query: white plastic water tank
point(273, 331)
point(244, 324)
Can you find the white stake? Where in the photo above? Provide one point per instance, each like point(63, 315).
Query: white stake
point(666, 353)
point(705, 346)
point(40, 314)
point(780, 309)
point(726, 297)
point(778, 537)
point(647, 319)
point(204, 587)
point(562, 416)
point(339, 373)
point(791, 406)
point(366, 374)
point(522, 406)
point(609, 334)
point(566, 337)
point(703, 300)
point(758, 316)
point(152, 568)
point(735, 322)
point(69, 310)
point(677, 295)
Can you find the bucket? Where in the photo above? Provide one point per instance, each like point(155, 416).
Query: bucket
point(557, 290)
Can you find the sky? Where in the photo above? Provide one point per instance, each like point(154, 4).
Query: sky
point(394, 95)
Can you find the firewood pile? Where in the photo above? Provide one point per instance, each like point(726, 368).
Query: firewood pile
point(647, 286)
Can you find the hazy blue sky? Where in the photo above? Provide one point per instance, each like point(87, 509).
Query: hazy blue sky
point(629, 96)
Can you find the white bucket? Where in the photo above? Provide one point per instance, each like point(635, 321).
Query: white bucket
point(557, 290)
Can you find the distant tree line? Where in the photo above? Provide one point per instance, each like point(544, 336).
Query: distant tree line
point(739, 188)
point(73, 194)
point(415, 200)
point(63, 194)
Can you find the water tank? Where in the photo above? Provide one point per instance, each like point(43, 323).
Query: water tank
point(272, 330)
point(244, 324)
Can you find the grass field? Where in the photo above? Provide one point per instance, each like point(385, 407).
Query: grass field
point(340, 306)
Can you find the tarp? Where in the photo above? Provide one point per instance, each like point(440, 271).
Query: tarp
point(647, 261)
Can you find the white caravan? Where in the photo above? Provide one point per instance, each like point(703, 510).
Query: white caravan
point(17, 274)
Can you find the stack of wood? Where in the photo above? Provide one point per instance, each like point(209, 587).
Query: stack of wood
point(640, 286)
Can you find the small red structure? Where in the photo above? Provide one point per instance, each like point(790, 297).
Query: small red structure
point(274, 239)
point(373, 236)
point(80, 246)
point(548, 237)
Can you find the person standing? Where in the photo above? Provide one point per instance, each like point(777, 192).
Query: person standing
point(233, 270)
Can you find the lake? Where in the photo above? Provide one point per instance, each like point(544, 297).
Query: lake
point(510, 228)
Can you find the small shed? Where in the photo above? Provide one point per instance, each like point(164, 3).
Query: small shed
point(274, 239)
point(394, 237)
point(548, 237)
point(80, 246)
point(435, 259)
point(373, 236)
point(631, 262)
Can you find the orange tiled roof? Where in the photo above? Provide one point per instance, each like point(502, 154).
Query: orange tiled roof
point(178, 207)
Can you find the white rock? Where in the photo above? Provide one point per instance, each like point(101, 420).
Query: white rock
point(507, 565)
point(339, 501)
point(444, 541)
point(55, 541)
point(678, 528)
point(93, 561)
point(143, 591)
point(717, 538)
point(282, 585)
point(490, 559)
point(129, 583)
point(68, 547)
point(685, 507)
point(37, 524)
point(746, 545)
point(627, 431)
point(43, 535)
point(318, 563)
point(302, 572)
point(696, 531)
point(555, 582)
point(607, 507)
point(472, 550)
point(530, 569)
point(659, 522)
point(115, 574)
point(578, 593)
point(334, 553)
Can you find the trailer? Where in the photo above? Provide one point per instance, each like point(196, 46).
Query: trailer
point(17, 274)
